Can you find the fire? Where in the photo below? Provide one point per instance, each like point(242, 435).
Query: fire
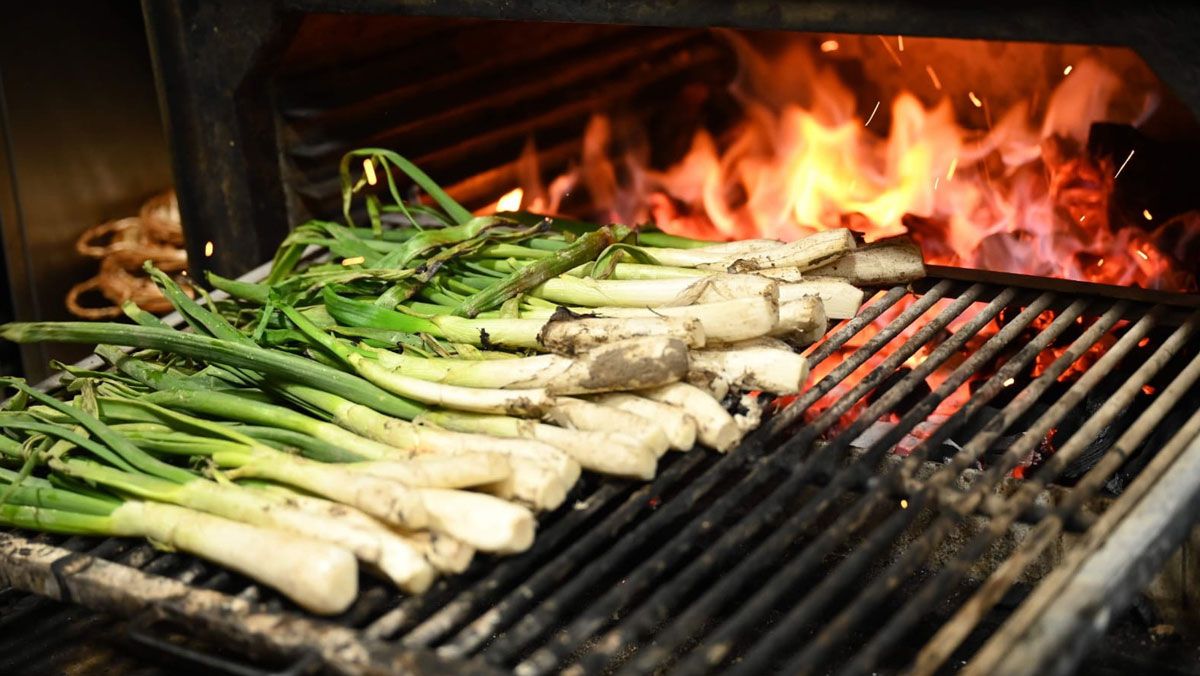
point(979, 175)
point(811, 152)
point(511, 201)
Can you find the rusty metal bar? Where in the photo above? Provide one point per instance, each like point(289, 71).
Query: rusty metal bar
point(950, 636)
point(756, 567)
point(866, 657)
point(686, 539)
point(781, 635)
point(101, 585)
point(945, 579)
point(1118, 558)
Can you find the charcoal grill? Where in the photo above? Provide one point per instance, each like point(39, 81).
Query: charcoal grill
point(810, 548)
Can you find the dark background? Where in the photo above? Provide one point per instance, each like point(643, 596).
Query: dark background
point(81, 142)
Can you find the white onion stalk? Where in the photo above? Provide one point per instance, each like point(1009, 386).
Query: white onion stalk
point(417, 439)
point(439, 471)
point(802, 318)
point(585, 415)
point(723, 287)
point(803, 254)
point(750, 367)
point(318, 576)
point(541, 474)
point(486, 523)
point(715, 428)
point(646, 272)
point(675, 423)
point(881, 263)
point(443, 552)
point(739, 246)
point(727, 321)
point(475, 399)
point(841, 300)
point(618, 365)
point(602, 452)
point(586, 291)
point(535, 485)
point(382, 549)
point(383, 499)
point(710, 255)
point(578, 334)
point(527, 332)
point(783, 275)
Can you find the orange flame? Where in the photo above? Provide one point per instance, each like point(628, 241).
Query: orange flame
point(1018, 195)
point(511, 201)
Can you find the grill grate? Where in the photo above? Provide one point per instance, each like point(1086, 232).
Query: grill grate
point(811, 548)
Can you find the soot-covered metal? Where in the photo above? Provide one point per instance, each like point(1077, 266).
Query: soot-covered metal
point(812, 547)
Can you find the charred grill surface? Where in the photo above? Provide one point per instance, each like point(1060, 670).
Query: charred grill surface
point(812, 548)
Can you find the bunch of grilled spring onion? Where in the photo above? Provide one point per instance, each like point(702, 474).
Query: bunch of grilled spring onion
point(522, 348)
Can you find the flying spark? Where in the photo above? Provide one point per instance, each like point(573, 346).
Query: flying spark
point(1009, 382)
point(1100, 263)
point(975, 99)
point(1146, 213)
point(900, 42)
point(1143, 255)
point(1067, 70)
point(903, 504)
point(1122, 168)
point(937, 84)
point(208, 249)
point(829, 46)
point(369, 170)
point(873, 111)
point(356, 260)
point(891, 52)
point(950, 171)
point(935, 181)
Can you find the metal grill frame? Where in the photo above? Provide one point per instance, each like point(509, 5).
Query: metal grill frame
point(688, 520)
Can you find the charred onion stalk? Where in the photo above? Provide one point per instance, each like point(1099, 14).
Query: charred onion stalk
point(418, 394)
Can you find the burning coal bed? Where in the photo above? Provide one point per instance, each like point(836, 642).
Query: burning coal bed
point(1045, 447)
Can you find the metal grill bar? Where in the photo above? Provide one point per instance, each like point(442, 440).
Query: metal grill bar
point(814, 656)
point(951, 635)
point(785, 531)
point(754, 568)
point(690, 537)
point(1142, 517)
point(952, 573)
point(782, 636)
point(554, 572)
point(618, 558)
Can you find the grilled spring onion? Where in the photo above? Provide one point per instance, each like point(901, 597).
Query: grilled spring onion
point(617, 365)
point(319, 577)
point(521, 333)
point(271, 362)
point(540, 475)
